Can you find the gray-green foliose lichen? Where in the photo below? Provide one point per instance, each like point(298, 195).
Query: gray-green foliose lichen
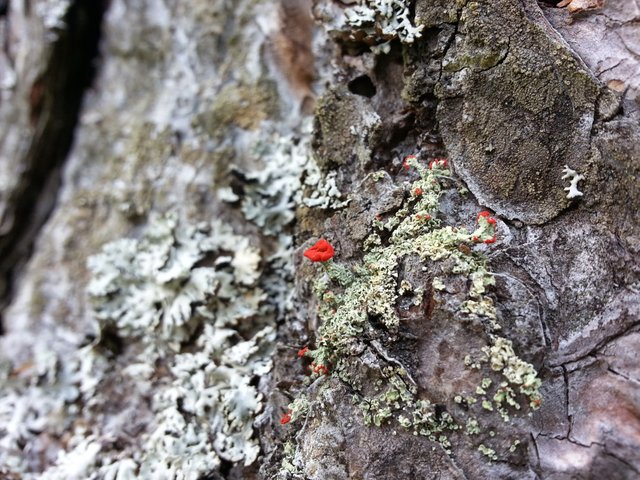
point(197, 299)
point(290, 178)
point(156, 290)
point(350, 298)
point(187, 302)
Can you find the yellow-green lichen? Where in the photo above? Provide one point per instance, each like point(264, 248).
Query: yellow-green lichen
point(351, 298)
point(488, 452)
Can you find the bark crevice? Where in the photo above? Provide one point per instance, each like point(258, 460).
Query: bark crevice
point(55, 100)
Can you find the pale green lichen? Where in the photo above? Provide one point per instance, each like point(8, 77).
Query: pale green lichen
point(472, 427)
point(41, 397)
point(379, 175)
point(371, 290)
point(488, 452)
point(503, 358)
point(157, 291)
point(154, 284)
point(438, 284)
point(291, 465)
point(290, 177)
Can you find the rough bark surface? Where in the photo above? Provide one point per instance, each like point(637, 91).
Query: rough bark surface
point(274, 122)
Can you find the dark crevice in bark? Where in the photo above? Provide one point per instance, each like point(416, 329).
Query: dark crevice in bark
point(362, 86)
point(622, 375)
point(55, 105)
point(536, 452)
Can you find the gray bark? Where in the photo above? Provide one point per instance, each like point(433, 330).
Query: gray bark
point(223, 138)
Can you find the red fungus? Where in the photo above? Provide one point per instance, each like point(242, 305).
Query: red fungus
point(405, 164)
point(286, 418)
point(483, 214)
point(320, 252)
point(438, 163)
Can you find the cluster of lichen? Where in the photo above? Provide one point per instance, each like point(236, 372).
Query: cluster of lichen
point(385, 20)
point(349, 298)
point(190, 295)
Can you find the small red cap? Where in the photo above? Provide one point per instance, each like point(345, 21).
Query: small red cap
point(320, 252)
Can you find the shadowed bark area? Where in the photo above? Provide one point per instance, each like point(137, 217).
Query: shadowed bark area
point(479, 317)
point(54, 100)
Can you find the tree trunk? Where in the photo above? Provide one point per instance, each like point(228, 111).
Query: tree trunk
point(167, 166)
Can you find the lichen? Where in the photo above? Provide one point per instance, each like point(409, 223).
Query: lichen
point(155, 290)
point(370, 291)
point(197, 329)
point(386, 19)
point(290, 177)
point(37, 402)
point(488, 452)
point(573, 185)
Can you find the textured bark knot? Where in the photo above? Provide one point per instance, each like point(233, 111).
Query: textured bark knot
point(320, 252)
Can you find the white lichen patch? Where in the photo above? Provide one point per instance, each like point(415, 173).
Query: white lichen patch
point(385, 19)
point(155, 284)
point(574, 177)
point(161, 290)
point(290, 177)
point(38, 399)
point(75, 463)
point(197, 329)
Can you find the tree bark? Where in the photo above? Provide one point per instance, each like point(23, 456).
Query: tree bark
point(165, 164)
